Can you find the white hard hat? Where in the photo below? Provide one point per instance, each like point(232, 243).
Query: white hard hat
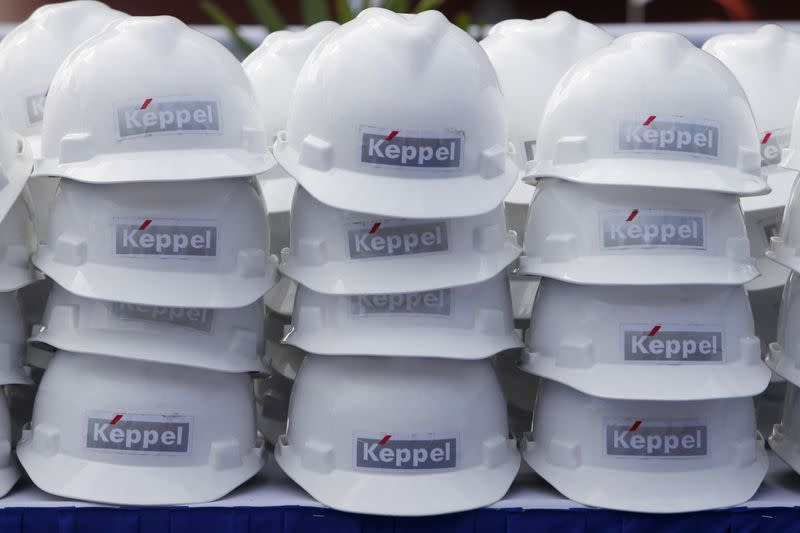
point(646, 343)
point(398, 436)
point(784, 354)
point(659, 457)
point(135, 433)
point(285, 359)
point(523, 294)
point(401, 116)
point(612, 235)
point(277, 190)
point(280, 298)
point(17, 243)
point(16, 162)
point(13, 334)
point(32, 52)
point(467, 322)
point(651, 110)
point(785, 438)
point(785, 246)
point(341, 252)
point(225, 340)
point(10, 471)
point(530, 57)
point(189, 113)
point(202, 244)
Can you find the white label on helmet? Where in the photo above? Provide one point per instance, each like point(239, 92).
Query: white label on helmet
point(411, 148)
point(772, 144)
point(195, 318)
point(166, 237)
point(167, 115)
point(406, 452)
point(34, 105)
point(668, 133)
point(652, 228)
point(123, 432)
point(643, 438)
point(673, 343)
point(530, 149)
point(388, 238)
point(435, 303)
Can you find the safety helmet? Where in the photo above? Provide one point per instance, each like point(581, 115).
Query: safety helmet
point(12, 344)
point(129, 432)
point(785, 438)
point(467, 322)
point(17, 243)
point(399, 116)
point(523, 293)
point(650, 110)
point(646, 343)
point(280, 298)
point(226, 340)
point(398, 436)
point(342, 252)
point(10, 471)
point(277, 190)
point(530, 57)
point(16, 162)
point(784, 248)
point(784, 354)
point(178, 107)
point(202, 244)
point(659, 457)
point(284, 359)
point(611, 235)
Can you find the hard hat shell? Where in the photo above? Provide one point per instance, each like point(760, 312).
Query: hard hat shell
point(646, 343)
point(530, 57)
point(16, 162)
point(280, 298)
point(399, 116)
point(761, 226)
point(784, 248)
point(690, 455)
point(342, 252)
point(32, 52)
point(284, 359)
point(611, 235)
point(467, 322)
point(17, 243)
point(784, 354)
point(10, 471)
point(785, 438)
point(13, 334)
point(650, 110)
point(523, 293)
point(189, 113)
point(277, 190)
point(225, 340)
point(203, 421)
point(216, 256)
point(455, 410)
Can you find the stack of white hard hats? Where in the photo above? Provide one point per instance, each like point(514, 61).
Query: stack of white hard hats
point(641, 327)
point(530, 57)
point(158, 245)
point(397, 136)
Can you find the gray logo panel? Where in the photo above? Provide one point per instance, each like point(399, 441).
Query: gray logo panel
point(669, 134)
point(669, 345)
point(165, 240)
point(139, 434)
point(397, 240)
point(34, 105)
point(390, 148)
point(653, 228)
point(421, 454)
point(435, 302)
point(772, 145)
point(651, 440)
point(152, 116)
point(189, 317)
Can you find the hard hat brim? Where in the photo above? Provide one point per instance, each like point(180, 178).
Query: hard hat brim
point(148, 287)
point(772, 275)
point(277, 191)
point(666, 491)
point(783, 364)
point(284, 359)
point(280, 298)
point(780, 181)
point(520, 194)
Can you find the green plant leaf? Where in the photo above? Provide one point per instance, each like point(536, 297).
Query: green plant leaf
point(267, 15)
point(425, 5)
point(219, 16)
point(343, 11)
point(314, 11)
point(398, 6)
point(463, 20)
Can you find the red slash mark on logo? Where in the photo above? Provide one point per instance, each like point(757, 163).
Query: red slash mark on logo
point(766, 137)
point(392, 135)
point(654, 331)
point(375, 227)
point(145, 224)
point(384, 440)
point(649, 120)
point(635, 426)
point(116, 419)
point(632, 215)
point(146, 103)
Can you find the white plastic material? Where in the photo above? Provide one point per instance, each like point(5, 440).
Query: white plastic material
point(440, 426)
point(10, 471)
point(609, 235)
point(467, 322)
point(225, 340)
point(134, 433)
point(12, 344)
point(17, 243)
point(646, 343)
point(784, 248)
point(280, 298)
point(189, 113)
point(285, 359)
point(650, 110)
point(16, 162)
point(784, 354)
point(659, 457)
point(341, 252)
point(530, 57)
point(168, 244)
point(523, 293)
point(785, 438)
point(400, 116)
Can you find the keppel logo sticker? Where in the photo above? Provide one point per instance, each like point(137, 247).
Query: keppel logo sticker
point(123, 432)
point(680, 343)
point(436, 303)
point(162, 237)
point(642, 438)
point(188, 317)
point(167, 115)
point(34, 105)
point(412, 149)
point(406, 452)
point(368, 239)
point(668, 133)
point(652, 228)
point(772, 144)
